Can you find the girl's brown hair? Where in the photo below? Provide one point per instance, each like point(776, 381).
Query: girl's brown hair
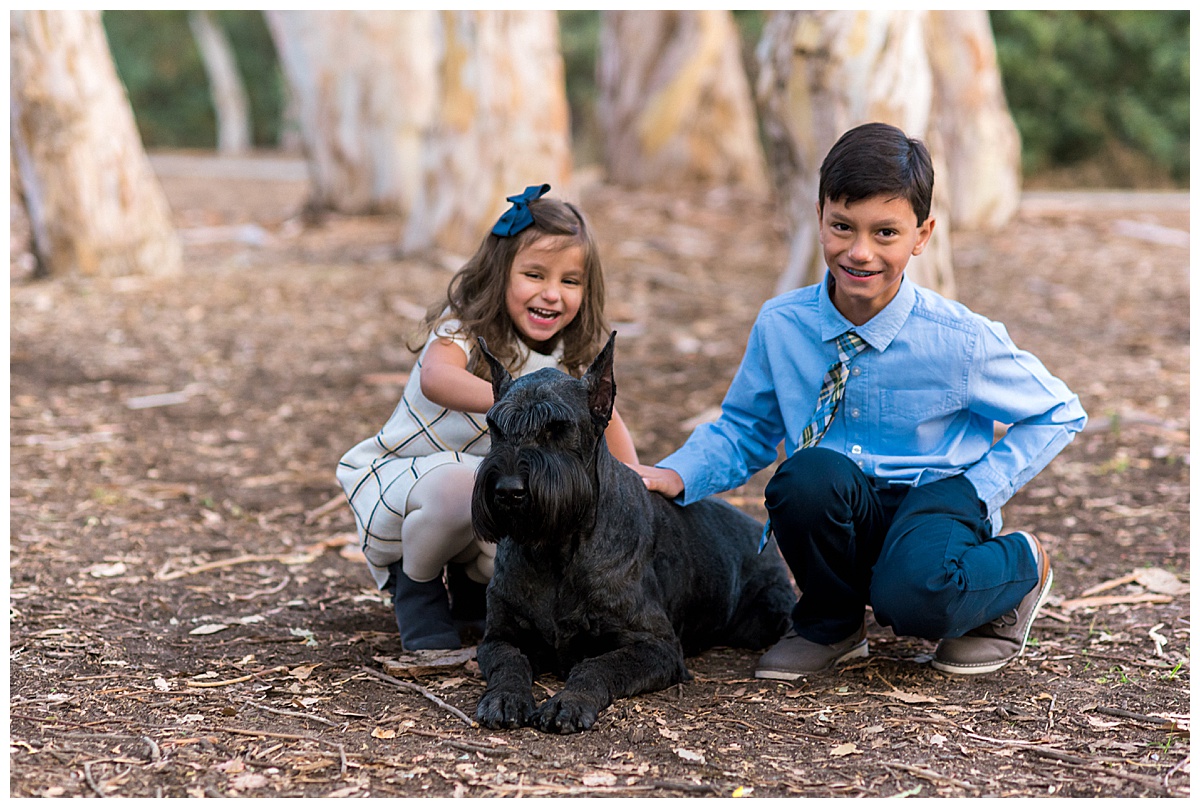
point(475, 296)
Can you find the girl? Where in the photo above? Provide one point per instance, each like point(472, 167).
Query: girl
point(534, 291)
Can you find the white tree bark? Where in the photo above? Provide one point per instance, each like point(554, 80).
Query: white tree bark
point(675, 105)
point(230, 102)
point(501, 124)
point(981, 144)
point(94, 204)
point(822, 73)
point(364, 86)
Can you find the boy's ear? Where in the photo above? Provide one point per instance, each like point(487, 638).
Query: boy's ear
point(923, 234)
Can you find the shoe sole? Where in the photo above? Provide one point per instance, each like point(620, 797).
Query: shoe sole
point(858, 651)
point(989, 667)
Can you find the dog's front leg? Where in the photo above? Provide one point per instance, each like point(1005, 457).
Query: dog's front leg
point(648, 664)
point(508, 701)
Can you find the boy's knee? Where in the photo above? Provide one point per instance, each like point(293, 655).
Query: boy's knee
point(811, 475)
point(915, 602)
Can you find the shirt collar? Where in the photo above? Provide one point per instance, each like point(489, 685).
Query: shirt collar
point(880, 330)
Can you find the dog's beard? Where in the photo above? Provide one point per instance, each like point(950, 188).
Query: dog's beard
point(560, 497)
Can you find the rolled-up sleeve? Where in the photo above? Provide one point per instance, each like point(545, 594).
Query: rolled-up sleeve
point(1013, 387)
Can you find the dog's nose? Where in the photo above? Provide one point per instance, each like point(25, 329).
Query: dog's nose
point(510, 489)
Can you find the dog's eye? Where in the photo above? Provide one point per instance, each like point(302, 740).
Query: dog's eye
point(557, 430)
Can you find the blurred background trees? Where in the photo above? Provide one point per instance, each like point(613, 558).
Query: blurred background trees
point(437, 115)
point(1101, 98)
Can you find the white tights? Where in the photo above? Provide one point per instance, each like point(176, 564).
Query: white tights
point(437, 527)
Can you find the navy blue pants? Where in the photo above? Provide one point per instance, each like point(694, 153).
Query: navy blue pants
point(923, 558)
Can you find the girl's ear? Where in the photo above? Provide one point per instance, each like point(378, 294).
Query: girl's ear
point(501, 378)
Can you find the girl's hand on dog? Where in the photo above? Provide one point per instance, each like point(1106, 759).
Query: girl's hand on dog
point(661, 481)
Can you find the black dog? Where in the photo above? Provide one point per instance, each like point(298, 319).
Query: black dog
point(596, 578)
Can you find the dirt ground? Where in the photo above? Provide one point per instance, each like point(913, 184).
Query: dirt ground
point(188, 615)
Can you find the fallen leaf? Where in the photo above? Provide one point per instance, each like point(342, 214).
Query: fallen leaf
point(937, 740)
point(209, 628)
point(1100, 723)
point(845, 749)
point(385, 734)
point(233, 766)
point(106, 570)
point(248, 781)
point(742, 791)
point(599, 779)
point(161, 684)
point(1160, 580)
point(302, 672)
point(687, 754)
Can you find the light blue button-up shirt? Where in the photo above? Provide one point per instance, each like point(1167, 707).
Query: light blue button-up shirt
point(920, 403)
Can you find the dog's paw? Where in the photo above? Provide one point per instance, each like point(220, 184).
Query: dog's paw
point(565, 713)
point(501, 710)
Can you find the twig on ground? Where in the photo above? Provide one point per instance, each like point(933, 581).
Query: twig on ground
point(931, 776)
point(321, 510)
point(246, 678)
point(87, 776)
point(1081, 763)
point(1149, 719)
point(288, 736)
point(424, 692)
point(292, 713)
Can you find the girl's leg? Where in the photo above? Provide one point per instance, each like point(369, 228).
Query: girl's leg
point(829, 522)
point(436, 529)
point(941, 573)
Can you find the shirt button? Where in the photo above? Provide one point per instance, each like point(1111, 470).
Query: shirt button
point(855, 371)
point(855, 450)
point(854, 413)
point(861, 464)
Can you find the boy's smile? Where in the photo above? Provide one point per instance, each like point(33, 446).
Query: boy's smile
point(867, 245)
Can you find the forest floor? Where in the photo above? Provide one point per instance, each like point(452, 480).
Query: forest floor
point(189, 615)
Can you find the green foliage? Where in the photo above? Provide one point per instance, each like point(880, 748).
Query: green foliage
point(578, 36)
point(1098, 86)
point(1103, 88)
point(159, 63)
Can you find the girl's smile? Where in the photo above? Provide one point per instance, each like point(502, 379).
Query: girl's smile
point(545, 290)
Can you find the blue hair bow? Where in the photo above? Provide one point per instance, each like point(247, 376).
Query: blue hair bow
point(518, 217)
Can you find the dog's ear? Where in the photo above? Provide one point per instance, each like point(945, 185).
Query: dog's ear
point(601, 386)
point(501, 378)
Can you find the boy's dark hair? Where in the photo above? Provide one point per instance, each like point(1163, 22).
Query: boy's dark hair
point(878, 159)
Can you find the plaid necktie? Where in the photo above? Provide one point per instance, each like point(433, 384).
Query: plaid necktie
point(834, 384)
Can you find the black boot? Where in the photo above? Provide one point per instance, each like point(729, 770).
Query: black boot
point(423, 613)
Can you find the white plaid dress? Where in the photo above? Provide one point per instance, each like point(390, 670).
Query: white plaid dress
point(378, 473)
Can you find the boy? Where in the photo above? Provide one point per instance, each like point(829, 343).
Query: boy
point(898, 506)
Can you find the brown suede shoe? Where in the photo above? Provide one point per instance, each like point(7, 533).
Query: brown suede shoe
point(794, 656)
point(993, 645)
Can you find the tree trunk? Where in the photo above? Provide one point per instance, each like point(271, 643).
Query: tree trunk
point(982, 145)
point(230, 102)
point(822, 73)
point(363, 84)
point(674, 101)
point(94, 204)
point(501, 124)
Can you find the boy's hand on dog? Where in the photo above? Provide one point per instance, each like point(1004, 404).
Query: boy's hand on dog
point(661, 481)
